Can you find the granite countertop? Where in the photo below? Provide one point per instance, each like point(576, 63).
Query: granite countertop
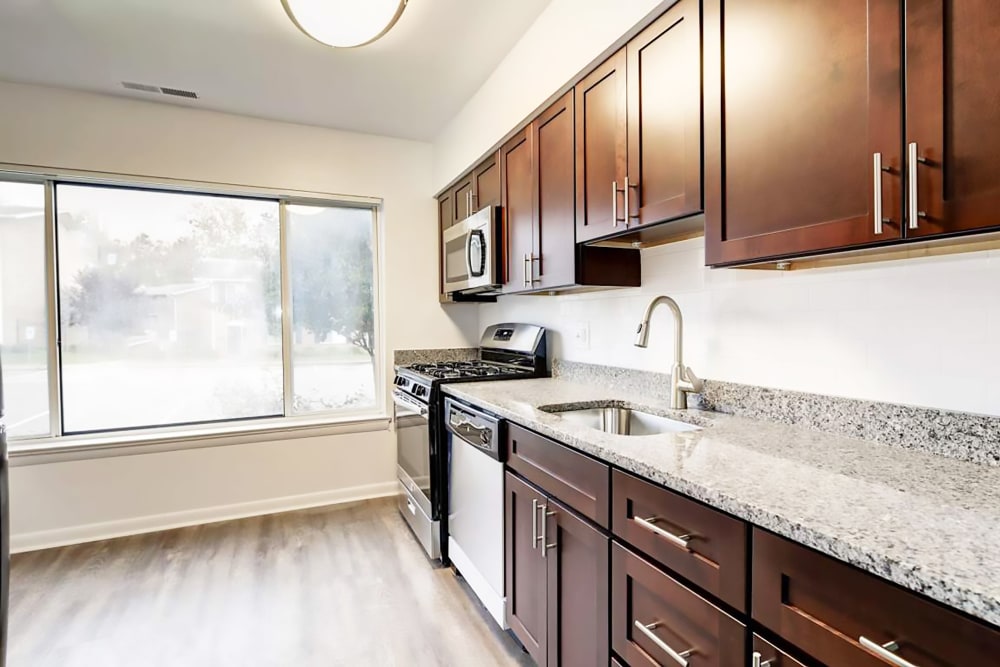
point(926, 522)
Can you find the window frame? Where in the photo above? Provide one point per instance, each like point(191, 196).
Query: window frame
point(58, 444)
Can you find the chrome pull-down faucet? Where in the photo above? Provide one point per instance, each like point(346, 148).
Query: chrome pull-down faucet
point(682, 379)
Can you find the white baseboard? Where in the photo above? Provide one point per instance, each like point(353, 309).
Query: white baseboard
point(59, 537)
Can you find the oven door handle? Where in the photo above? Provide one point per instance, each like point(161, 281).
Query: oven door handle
point(410, 404)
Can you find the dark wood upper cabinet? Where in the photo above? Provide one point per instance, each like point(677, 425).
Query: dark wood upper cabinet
point(555, 195)
point(664, 118)
point(525, 572)
point(537, 172)
point(517, 186)
point(538, 176)
point(800, 98)
point(486, 183)
point(638, 117)
point(462, 195)
point(601, 150)
point(446, 210)
point(953, 115)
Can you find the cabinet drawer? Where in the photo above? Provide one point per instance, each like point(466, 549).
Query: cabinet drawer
point(577, 480)
point(825, 607)
point(650, 518)
point(653, 615)
point(772, 656)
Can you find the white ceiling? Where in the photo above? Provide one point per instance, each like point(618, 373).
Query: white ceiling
point(245, 56)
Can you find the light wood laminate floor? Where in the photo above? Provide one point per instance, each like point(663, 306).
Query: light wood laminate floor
point(344, 585)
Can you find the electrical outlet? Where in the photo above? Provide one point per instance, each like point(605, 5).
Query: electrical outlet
point(581, 335)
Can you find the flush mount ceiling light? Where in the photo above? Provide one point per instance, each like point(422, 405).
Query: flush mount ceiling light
point(344, 23)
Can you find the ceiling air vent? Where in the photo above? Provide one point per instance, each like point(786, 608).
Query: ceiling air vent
point(177, 92)
point(159, 90)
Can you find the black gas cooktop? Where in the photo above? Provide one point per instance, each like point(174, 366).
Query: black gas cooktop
point(465, 369)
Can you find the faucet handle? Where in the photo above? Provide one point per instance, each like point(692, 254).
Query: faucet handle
point(696, 382)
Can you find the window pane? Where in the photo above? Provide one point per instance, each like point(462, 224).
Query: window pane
point(23, 316)
point(169, 308)
point(330, 261)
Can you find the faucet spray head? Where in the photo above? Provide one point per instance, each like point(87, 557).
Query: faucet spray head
point(642, 334)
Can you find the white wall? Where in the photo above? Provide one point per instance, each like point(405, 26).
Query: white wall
point(71, 130)
point(921, 330)
point(566, 37)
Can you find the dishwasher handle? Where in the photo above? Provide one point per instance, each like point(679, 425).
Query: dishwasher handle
point(474, 427)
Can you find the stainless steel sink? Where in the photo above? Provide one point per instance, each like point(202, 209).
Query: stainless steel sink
point(623, 421)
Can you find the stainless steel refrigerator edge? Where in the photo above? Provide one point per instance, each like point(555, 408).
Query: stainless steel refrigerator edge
point(4, 531)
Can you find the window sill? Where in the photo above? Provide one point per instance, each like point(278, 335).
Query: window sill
point(74, 448)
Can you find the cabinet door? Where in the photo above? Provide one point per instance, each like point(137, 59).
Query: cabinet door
point(953, 115)
point(517, 185)
point(664, 117)
point(555, 197)
point(525, 569)
point(577, 558)
point(462, 197)
point(810, 93)
point(486, 183)
point(446, 211)
point(601, 150)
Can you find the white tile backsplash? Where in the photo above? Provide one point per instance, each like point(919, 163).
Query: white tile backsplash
point(922, 330)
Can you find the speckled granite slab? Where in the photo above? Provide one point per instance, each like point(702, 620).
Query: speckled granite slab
point(957, 435)
point(406, 357)
point(926, 522)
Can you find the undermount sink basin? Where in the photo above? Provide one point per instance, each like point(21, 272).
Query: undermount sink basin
point(623, 421)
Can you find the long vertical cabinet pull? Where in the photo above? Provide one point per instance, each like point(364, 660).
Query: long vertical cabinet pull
point(534, 523)
point(877, 205)
point(915, 212)
point(545, 530)
point(614, 203)
point(526, 268)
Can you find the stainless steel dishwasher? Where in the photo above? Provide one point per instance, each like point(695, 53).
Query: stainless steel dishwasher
point(475, 502)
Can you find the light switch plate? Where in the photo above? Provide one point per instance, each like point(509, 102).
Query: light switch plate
point(580, 334)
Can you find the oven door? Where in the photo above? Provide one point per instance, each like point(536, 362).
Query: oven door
point(413, 449)
point(469, 254)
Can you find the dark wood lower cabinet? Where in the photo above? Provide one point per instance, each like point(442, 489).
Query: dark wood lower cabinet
point(844, 617)
point(656, 621)
point(556, 579)
point(525, 571)
point(577, 589)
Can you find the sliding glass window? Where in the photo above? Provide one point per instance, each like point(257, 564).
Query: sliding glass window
point(178, 308)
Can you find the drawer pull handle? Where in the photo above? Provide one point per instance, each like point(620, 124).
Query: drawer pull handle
point(647, 630)
point(886, 651)
point(755, 661)
point(649, 524)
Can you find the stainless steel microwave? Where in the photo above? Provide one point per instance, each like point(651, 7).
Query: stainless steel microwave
point(470, 253)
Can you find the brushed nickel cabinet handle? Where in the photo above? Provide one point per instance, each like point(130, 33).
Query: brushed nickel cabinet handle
point(545, 529)
point(628, 207)
point(680, 541)
point(755, 660)
point(614, 203)
point(534, 523)
point(877, 205)
point(647, 630)
point(527, 261)
point(914, 162)
point(888, 650)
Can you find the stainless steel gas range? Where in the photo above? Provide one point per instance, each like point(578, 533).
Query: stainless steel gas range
point(506, 352)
